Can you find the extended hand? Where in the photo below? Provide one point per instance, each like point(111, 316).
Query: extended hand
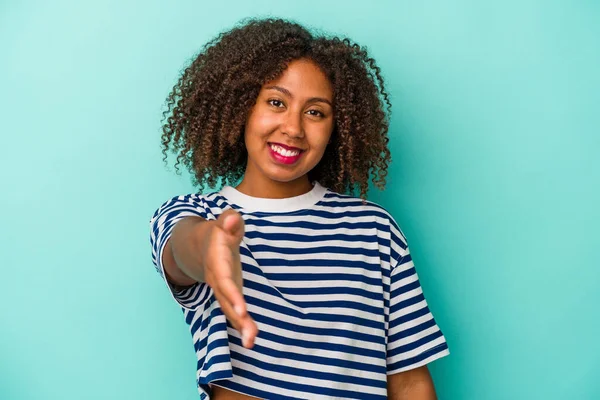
point(223, 273)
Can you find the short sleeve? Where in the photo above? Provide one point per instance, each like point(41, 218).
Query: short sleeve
point(414, 339)
point(161, 226)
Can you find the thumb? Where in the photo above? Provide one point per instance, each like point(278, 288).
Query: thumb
point(232, 223)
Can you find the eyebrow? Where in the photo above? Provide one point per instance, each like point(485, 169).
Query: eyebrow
point(289, 94)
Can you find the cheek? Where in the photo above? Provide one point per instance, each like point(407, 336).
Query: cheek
point(321, 137)
point(254, 131)
point(260, 122)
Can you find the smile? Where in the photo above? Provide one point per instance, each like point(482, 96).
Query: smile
point(284, 156)
point(284, 152)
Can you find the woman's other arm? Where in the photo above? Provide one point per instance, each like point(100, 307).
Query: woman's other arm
point(414, 384)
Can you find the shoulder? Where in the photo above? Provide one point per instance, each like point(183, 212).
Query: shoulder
point(184, 199)
point(347, 203)
point(201, 203)
point(386, 224)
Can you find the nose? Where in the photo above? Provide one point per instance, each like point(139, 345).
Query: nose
point(292, 125)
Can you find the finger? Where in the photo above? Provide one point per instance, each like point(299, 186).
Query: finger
point(233, 295)
point(244, 325)
point(249, 332)
point(232, 316)
point(238, 312)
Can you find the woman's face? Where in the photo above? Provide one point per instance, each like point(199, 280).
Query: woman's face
point(290, 125)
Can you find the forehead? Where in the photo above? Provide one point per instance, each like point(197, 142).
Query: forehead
point(304, 77)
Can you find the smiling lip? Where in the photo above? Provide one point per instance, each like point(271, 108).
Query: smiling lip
point(285, 147)
point(283, 159)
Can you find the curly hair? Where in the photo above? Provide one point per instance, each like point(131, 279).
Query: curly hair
point(212, 99)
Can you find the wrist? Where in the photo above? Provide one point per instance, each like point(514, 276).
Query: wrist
point(202, 232)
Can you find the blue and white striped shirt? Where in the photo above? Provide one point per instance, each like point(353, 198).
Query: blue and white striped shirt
point(331, 285)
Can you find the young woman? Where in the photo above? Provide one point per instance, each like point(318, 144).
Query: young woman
point(293, 288)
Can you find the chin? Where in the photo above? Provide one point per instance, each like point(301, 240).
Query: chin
point(284, 179)
point(279, 176)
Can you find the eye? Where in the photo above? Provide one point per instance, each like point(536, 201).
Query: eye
point(316, 113)
point(275, 103)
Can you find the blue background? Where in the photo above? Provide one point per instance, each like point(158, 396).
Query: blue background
point(495, 180)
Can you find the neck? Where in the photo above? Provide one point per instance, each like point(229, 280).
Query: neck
point(270, 189)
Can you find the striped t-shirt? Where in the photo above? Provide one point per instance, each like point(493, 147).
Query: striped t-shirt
point(332, 287)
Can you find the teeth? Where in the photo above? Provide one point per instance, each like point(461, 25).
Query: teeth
point(284, 152)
